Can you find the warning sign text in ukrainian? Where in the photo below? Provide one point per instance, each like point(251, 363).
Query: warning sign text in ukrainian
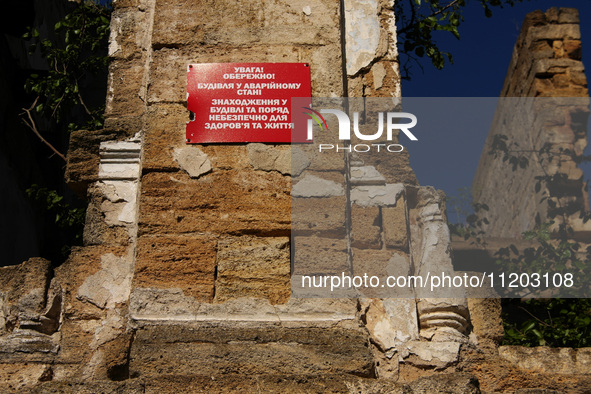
point(244, 102)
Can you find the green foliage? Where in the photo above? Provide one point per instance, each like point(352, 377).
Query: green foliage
point(559, 322)
point(553, 256)
point(64, 215)
point(74, 53)
point(554, 322)
point(418, 20)
point(61, 216)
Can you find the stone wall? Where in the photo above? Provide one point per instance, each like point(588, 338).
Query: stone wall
point(543, 113)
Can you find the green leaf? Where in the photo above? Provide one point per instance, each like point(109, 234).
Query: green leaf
point(528, 326)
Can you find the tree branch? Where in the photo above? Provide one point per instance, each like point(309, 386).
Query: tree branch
point(31, 124)
point(413, 15)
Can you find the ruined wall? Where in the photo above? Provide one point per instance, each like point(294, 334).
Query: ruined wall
point(183, 281)
point(550, 134)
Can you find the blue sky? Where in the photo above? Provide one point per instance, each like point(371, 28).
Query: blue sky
point(481, 59)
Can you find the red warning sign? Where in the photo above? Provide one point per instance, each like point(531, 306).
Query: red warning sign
point(244, 102)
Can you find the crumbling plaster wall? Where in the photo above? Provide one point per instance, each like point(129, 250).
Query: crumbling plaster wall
point(190, 242)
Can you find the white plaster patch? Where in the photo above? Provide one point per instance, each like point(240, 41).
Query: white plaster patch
point(299, 160)
point(379, 73)
point(193, 161)
point(431, 353)
point(392, 322)
point(366, 175)
point(362, 27)
point(110, 285)
point(371, 196)
point(120, 206)
point(114, 46)
point(313, 186)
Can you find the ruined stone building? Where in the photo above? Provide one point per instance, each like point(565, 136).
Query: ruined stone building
point(184, 282)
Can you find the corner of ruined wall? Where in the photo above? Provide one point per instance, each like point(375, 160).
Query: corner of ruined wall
point(543, 111)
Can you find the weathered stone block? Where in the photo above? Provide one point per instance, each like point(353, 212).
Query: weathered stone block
point(329, 160)
point(319, 185)
point(119, 4)
point(554, 32)
point(96, 230)
point(111, 284)
point(541, 49)
point(253, 267)
point(366, 175)
point(128, 37)
point(578, 78)
point(317, 255)
point(372, 195)
point(392, 322)
point(573, 49)
point(83, 156)
point(24, 285)
point(542, 358)
point(395, 225)
point(327, 80)
point(461, 382)
point(485, 316)
point(82, 264)
point(366, 227)
point(77, 335)
point(227, 157)
point(269, 383)
point(126, 83)
point(253, 22)
point(18, 377)
point(248, 349)
point(568, 15)
point(165, 132)
point(381, 264)
point(324, 216)
point(192, 160)
point(222, 202)
point(174, 261)
point(288, 160)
